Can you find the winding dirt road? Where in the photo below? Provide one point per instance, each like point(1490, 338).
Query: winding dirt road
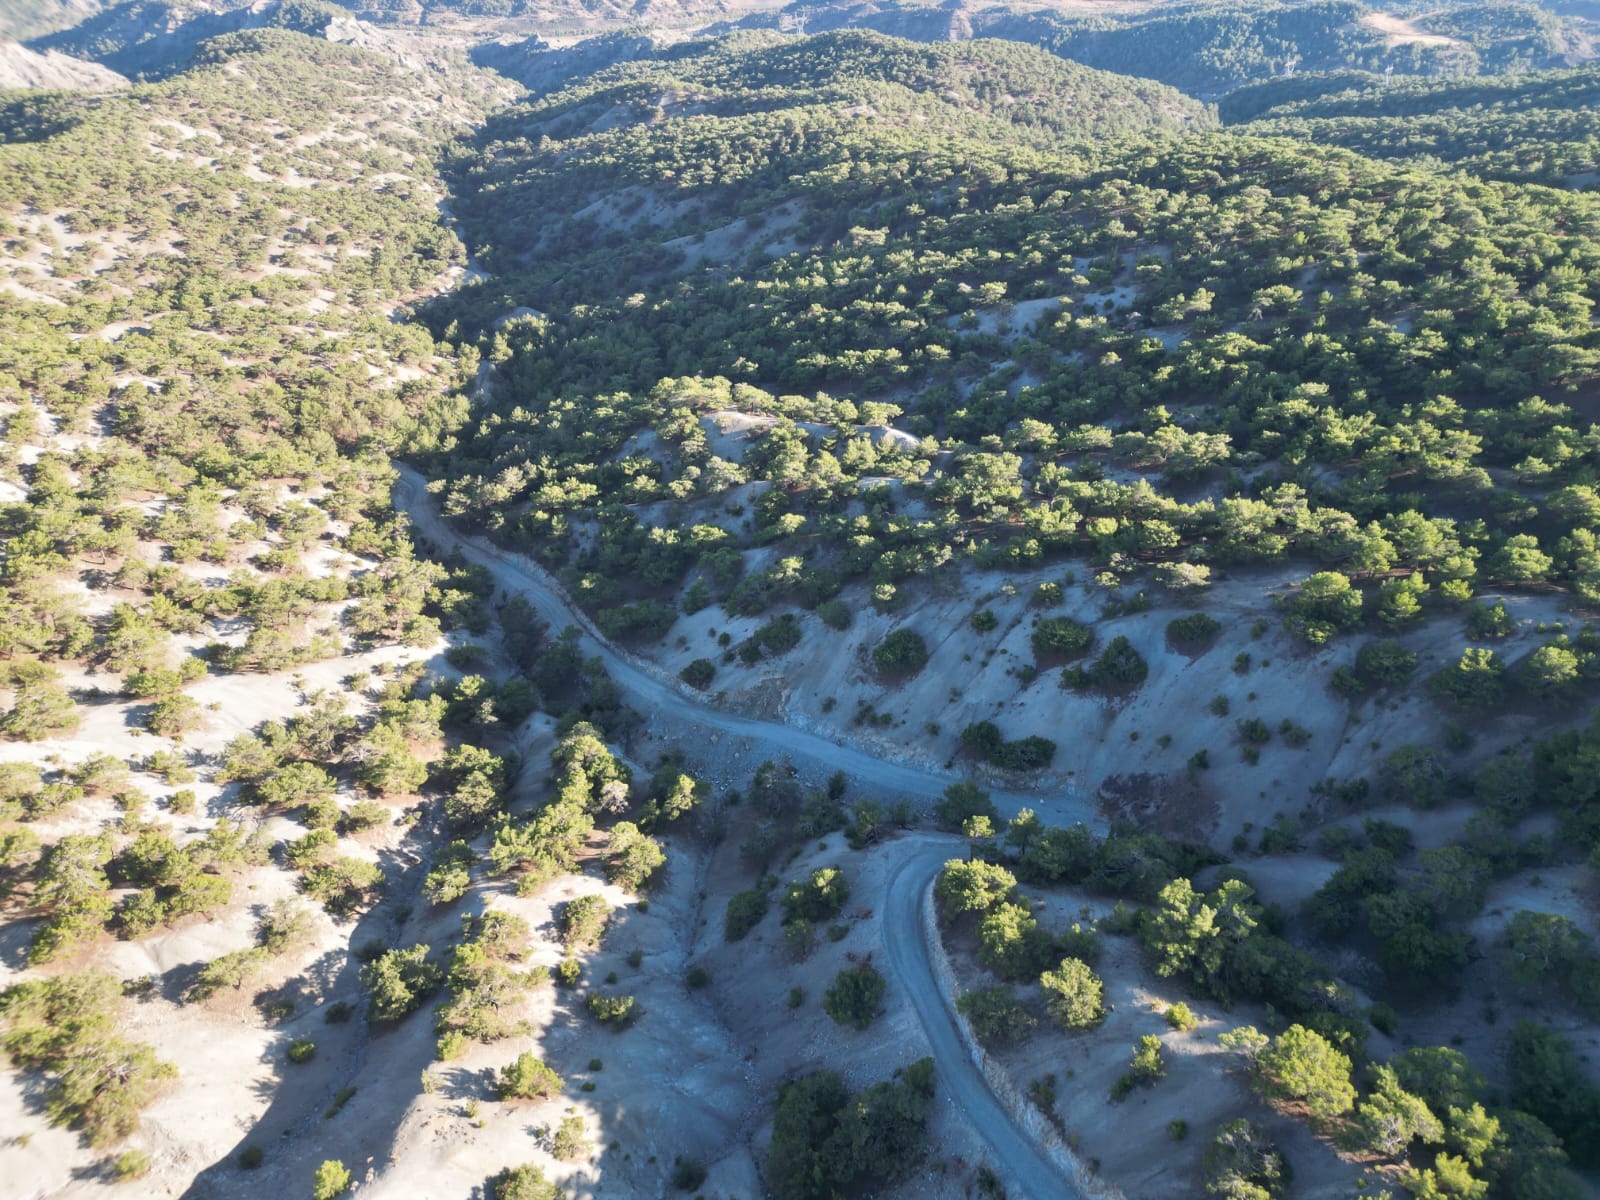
point(1027, 1168)
point(517, 574)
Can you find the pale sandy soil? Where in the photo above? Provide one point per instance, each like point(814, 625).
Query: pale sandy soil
point(1398, 31)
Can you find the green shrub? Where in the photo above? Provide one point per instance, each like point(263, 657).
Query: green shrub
point(582, 921)
point(903, 652)
point(1253, 731)
point(819, 898)
point(616, 1011)
point(1060, 638)
point(1302, 1065)
point(250, 1157)
point(1489, 622)
point(1476, 682)
point(827, 1142)
point(1386, 664)
point(1193, 633)
point(835, 614)
point(1145, 1067)
point(331, 1179)
point(699, 673)
point(569, 1140)
point(302, 1050)
point(1325, 605)
point(995, 1015)
point(1180, 1017)
point(130, 1165)
point(1074, 995)
point(38, 711)
point(526, 1182)
point(527, 1078)
point(398, 981)
point(779, 635)
point(340, 1098)
point(1119, 665)
point(1242, 1163)
point(855, 995)
point(1025, 754)
point(172, 716)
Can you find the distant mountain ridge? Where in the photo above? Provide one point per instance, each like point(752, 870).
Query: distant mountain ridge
point(1209, 49)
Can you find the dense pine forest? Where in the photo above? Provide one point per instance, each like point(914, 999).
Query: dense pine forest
point(802, 601)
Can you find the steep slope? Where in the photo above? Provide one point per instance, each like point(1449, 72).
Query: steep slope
point(24, 68)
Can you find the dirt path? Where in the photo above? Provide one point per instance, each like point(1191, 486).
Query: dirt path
point(1029, 1170)
point(650, 691)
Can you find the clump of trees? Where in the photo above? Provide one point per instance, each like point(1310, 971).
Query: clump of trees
point(66, 1028)
point(1031, 753)
point(826, 1139)
point(1243, 1163)
point(397, 982)
point(485, 984)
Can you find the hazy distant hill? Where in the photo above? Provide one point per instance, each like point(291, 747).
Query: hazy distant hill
point(153, 36)
point(35, 18)
point(1542, 128)
point(1209, 49)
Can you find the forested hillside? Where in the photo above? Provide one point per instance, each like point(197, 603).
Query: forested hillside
point(1542, 128)
point(210, 731)
point(594, 617)
point(792, 384)
point(1180, 326)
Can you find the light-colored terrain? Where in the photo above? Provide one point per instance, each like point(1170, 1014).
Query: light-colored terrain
point(1398, 31)
point(24, 68)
